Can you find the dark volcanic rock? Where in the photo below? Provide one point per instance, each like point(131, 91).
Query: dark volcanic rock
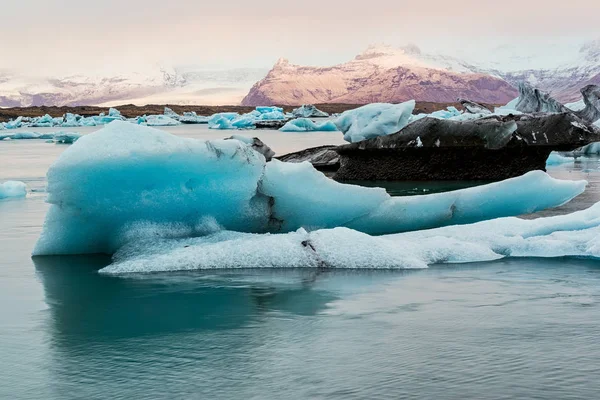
point(474, 108)
point(274, 124)
point(491, 148)
point(323, 158)
point(591, 98)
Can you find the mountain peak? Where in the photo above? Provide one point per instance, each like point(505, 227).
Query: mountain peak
point(282, 62)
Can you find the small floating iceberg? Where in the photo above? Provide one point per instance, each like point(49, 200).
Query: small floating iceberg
point(308, 111)
point(306, 125)
point(66, 137)
point(158, 120)
point(129, 182)
point(372, 120)
point(12, 189)
point(558, 159)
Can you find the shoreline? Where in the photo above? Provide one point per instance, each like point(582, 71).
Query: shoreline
point(132, 111)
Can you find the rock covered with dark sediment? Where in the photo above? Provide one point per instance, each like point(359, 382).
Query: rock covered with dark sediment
point(474, 108)
point(270, 124)
point(591, 99)
point(322, 158)
point(491, 148)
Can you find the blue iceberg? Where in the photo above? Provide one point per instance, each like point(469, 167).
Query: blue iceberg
point(306, 125)
point(42, 122)
point(372, 120)
point(558, 159)
point(66, 137)
point(308, 111)
point(12, 189)
point(14, 124)
point(158, 120)
point(129, 182)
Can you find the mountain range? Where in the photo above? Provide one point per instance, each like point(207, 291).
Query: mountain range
point(388, 74)
point(379, 74)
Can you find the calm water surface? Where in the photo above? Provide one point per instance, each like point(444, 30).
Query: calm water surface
point(525, 328)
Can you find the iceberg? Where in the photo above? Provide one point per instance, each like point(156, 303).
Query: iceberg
point(589, 150)
point(159, 120)
point(575, 235)
point(71, 120)
point(532, 100)
point(474, 108)
point(129, 182)
point(14, 124)
point(256, 144)
point(42, 122)
point(171, 114)
point(591, 99)
point(308, 111)
point(372, 120)
point(192, 118)
point(12, 189)
point(449, 112)
point(558, 159)
point(306, 125)
point(27, 136)
point(66, 137)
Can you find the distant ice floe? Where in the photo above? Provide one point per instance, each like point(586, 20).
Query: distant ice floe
point(52, 137)
point(306, 125)
point(12, 189)
point(233, 120)
point(130, 183)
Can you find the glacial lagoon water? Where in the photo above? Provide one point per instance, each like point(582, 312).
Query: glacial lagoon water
point(516, 328)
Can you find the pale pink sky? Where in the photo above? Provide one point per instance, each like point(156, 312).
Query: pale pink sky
point(74, 35)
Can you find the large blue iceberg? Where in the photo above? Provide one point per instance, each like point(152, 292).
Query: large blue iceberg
point(130, 182)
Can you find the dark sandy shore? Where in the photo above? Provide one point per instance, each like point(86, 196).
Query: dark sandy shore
point(130, 111)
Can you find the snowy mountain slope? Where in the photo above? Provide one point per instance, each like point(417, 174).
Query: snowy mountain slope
point(380, 74)
point(565, 80)
point(384, 73)
point(155, 85)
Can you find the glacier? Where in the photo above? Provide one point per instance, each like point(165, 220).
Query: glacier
point(575, 235)
point(12, 189)
point(306, 125)
point(129, 181)
point(372, 120)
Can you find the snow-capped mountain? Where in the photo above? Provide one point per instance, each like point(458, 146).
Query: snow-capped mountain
point(565, 81)
point(380, 74)
point(387, 74)
point(158, 84)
